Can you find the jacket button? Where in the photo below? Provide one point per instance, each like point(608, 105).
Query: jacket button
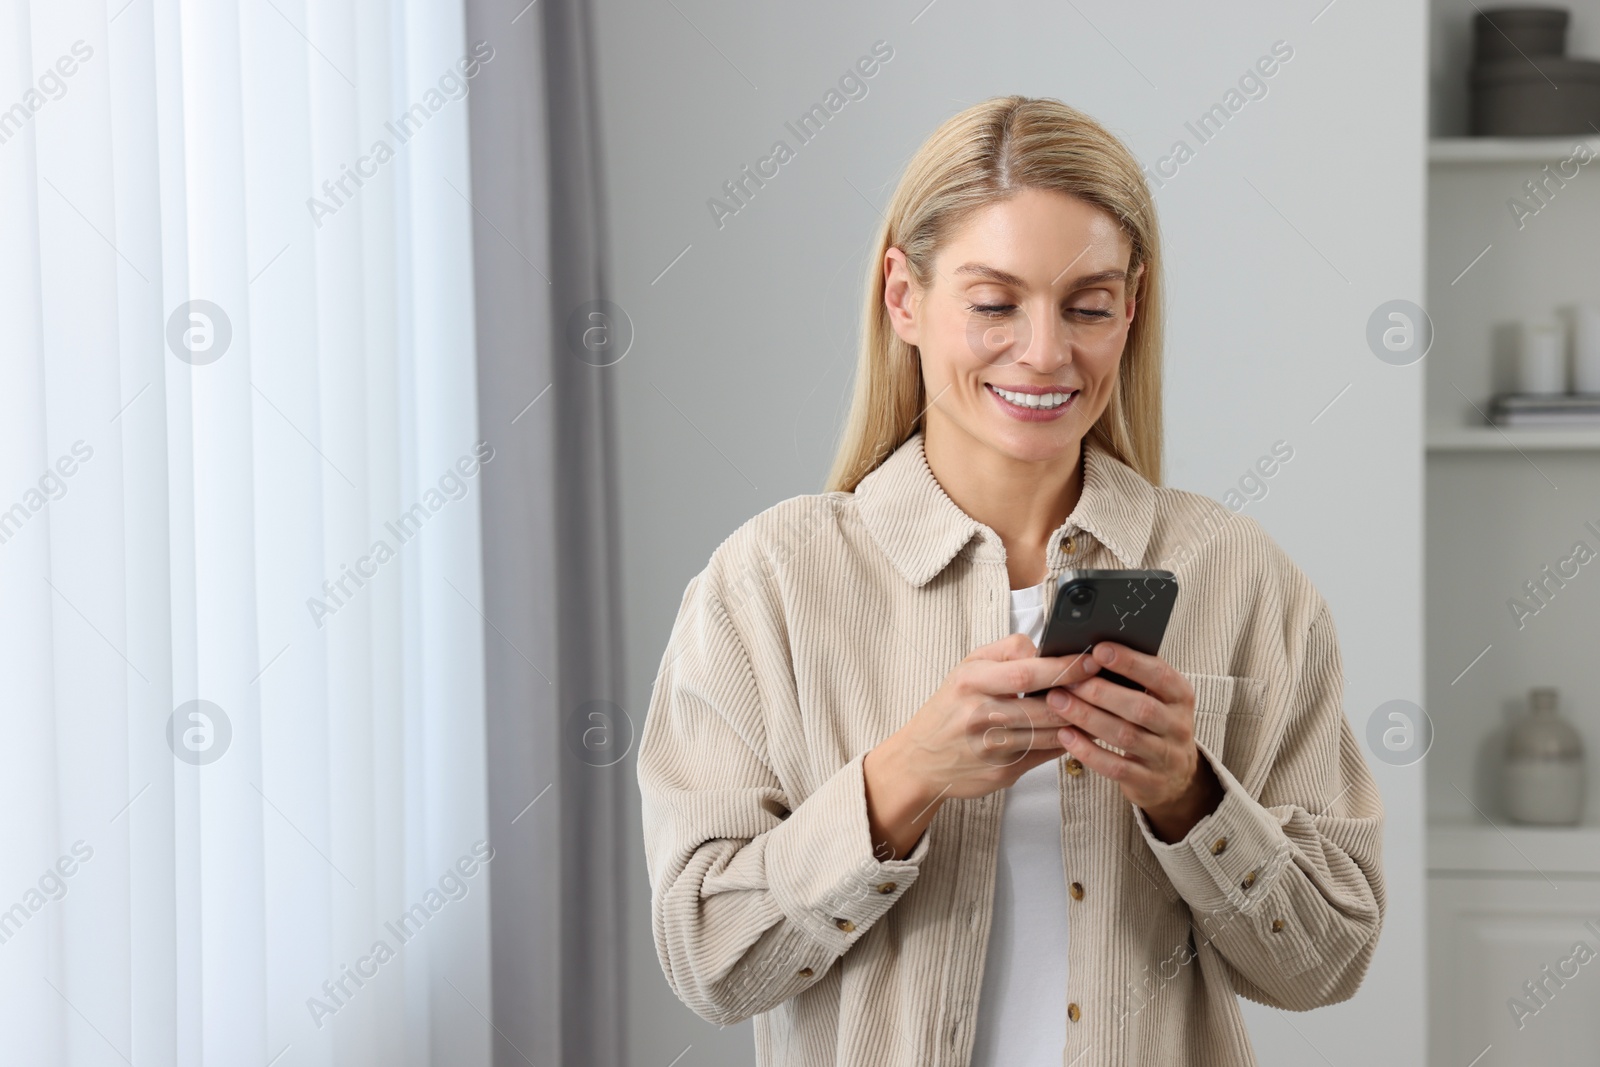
point(1076, 889)
point(845, 924)
point(886, 887)
point(1249, 880)
point(1219, 846)
point(1277, 926)
point(1068, 545)
point(1072, 1012)
point(1074, 768)
point(805, 972)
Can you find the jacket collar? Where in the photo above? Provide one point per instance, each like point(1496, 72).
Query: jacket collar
point(921, 529)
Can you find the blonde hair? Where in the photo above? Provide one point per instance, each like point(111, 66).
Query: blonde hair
point(982, 156)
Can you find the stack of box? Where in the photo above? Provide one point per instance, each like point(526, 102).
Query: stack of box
point(1522, 82)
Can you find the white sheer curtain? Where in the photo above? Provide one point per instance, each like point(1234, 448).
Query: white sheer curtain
point(265, 500)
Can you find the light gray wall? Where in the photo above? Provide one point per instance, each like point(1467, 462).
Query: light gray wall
point(1283, 234)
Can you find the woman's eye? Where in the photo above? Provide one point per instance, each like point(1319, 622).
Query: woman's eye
point(993, 311)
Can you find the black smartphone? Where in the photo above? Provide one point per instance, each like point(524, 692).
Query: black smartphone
point(1130, 607)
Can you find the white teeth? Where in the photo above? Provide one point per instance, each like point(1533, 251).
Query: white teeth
point(1034, 400)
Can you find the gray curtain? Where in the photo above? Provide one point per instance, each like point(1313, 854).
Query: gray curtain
point(552, 628)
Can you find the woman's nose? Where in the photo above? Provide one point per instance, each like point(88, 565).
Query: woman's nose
point(1049, 342)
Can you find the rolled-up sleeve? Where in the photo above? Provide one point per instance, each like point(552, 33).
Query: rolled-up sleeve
point(755, 893)
point(1288, 885)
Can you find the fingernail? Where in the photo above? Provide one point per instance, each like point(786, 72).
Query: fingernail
point(1105, 653)
point(1056, 699)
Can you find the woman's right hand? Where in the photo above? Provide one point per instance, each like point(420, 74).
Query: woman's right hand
point(973, 736)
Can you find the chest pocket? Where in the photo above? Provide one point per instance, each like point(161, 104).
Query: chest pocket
point(1227, 717)
point(1227, 721)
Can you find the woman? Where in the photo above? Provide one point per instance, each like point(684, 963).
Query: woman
point(858, 830)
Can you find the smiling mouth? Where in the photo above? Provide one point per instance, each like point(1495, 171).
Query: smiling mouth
point(1036, 401)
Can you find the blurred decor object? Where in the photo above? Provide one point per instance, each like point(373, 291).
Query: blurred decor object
point(1544, 775)
point(1523, 84)
point(1515, 98)
point(1542, 358)
point(1567, 411)
point(1514, 32)
point(1544, 371)
point(1583, 326)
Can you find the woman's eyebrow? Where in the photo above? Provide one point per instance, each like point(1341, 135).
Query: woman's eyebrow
point(995, 274)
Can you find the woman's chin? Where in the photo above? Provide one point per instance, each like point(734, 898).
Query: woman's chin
point(1037, 443)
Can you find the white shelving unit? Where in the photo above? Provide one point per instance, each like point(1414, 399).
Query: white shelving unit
point(1508, 439)
point(1475, 150)
point(1531, 851)
point(1503, 505)
point(1503, 502)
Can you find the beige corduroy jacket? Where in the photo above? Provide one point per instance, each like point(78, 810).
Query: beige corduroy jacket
point(822, 624)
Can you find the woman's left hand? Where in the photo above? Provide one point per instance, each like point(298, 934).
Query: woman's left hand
point(1162, 770)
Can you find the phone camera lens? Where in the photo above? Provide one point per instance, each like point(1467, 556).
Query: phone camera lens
point(1080, 594)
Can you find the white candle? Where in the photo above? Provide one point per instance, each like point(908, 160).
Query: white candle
point(1584, 320)
point(1541, 363)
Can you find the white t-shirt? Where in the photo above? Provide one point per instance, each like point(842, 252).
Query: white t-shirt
point(1022, 1011)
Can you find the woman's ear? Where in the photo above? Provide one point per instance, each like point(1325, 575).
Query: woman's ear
point(900, 295)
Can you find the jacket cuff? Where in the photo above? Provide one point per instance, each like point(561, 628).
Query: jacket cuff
point(821, 869)
point(1230, 859)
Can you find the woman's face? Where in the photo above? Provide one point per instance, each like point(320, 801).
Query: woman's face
point(1023, 326)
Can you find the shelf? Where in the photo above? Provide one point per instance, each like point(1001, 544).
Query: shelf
point(1479, 848)
point(1457, 150)
point(1504, 439)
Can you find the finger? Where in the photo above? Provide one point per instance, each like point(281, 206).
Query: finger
point(1142, 709)
point(1014, 646)
point(1103, 761)
point(1152, 672)
point(1025, 760)
point(1035, 757)
point(1028, 674)
point(1018, 712)
point(1002, 745)
point(1095, 721)
point(1041, 738)
point(1077, 667)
